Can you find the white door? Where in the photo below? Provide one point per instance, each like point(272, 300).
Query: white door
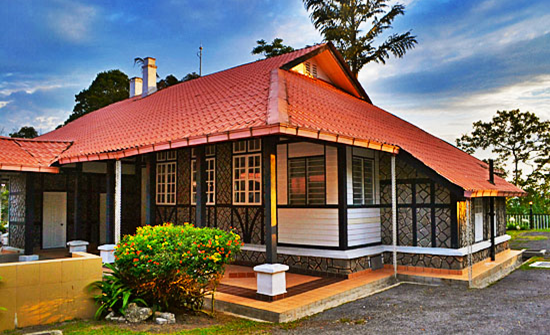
point(54, 220)
point(478, 206)
point(102, 218)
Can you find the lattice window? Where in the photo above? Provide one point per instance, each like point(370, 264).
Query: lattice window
point(210, 181)
point(307, 181)
point(166, 156)
point(166, 183)
point(362, 177)
point(247, 175)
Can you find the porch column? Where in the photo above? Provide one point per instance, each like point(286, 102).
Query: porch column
point(29, 214)
point(270, 277)
point(394, 214)
point(110, 207)
point(342, 198)
point(77, 230)
point(150, 190)
point(270, 199)
point(200, 170)
point(118, 199)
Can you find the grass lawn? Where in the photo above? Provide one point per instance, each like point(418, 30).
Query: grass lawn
point(219, 324)
point(523, 235)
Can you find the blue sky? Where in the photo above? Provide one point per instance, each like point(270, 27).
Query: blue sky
point(473, 57)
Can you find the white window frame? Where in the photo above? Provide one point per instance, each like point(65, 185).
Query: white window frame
point(210, 192)
point(166, 192)
point(166, 156)
point(363, 188)
point(246, 180)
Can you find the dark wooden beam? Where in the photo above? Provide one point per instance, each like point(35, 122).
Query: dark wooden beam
point(492, 229)
point(200, 170)
point(29, 213)
point(150, 191)
point(77, 214)
point(342, 198)
point(269, 162)
point(110, 206)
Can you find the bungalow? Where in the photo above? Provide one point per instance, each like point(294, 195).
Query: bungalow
point(290, 151)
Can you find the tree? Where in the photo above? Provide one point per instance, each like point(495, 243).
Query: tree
point(107, 88)
point(342, 21)
point(276, 48)
point(25, 132)
point(512, 135)
point(168, 81)
point(190, 76)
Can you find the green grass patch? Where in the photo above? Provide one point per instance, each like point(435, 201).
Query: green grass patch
point(522, 235)
point(525, 266)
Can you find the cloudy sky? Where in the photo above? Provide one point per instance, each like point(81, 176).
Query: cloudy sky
point(473, 57)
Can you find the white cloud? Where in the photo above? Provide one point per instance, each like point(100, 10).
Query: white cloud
point(4, 103)
point(451, 117)
point(72, 21)
point(47, 123)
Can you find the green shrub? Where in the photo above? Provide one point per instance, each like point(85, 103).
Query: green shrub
point(517, 226)
point(175, 266)
point(114, 295)
point(3, 228)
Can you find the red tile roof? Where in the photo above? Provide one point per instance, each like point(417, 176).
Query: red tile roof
point(317, 105)
point(30, 155)
point(246, 101)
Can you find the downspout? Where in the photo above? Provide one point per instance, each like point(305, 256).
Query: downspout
point(394, 215)
point(469, 242)
point(118, 199)
point(492, 210)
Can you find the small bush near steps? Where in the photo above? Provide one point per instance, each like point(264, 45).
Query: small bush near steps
point(174, 267)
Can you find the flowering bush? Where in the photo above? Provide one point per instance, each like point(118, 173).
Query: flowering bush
point(175, 266)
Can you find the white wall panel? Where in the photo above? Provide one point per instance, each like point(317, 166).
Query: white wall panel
point(308, 226)
point(282, 181)
point(332, 175)
point(363, 226)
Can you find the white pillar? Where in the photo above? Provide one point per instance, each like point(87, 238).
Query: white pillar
point(394, 214)
point(118, 199)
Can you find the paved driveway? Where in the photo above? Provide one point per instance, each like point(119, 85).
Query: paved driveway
point(518, 304)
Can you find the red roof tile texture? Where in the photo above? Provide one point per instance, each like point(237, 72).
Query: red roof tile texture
point(238, 99)
point(30, 155)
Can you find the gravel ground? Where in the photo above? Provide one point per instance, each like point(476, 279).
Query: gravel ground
point(518, 304)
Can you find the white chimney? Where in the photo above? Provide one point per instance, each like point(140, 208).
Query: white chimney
point(149, 76)
point(136, 85)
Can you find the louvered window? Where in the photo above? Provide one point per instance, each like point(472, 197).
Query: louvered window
point(311, 69)
point(363, 185)
point(306, 181)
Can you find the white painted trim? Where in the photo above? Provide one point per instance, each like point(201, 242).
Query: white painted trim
point(375, 250)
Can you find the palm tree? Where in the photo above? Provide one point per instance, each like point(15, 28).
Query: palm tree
point(340, 22)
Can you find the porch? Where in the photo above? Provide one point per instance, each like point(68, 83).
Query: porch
point(309, 294)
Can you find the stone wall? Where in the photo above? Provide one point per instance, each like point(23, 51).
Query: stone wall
point(17, 211)
point(308, 264)
point(500, 209)
point(420, 200)
point(441, 262)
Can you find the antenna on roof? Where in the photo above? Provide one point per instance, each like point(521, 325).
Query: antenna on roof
point(199, 54)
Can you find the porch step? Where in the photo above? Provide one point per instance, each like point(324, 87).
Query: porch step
point(310, 302)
